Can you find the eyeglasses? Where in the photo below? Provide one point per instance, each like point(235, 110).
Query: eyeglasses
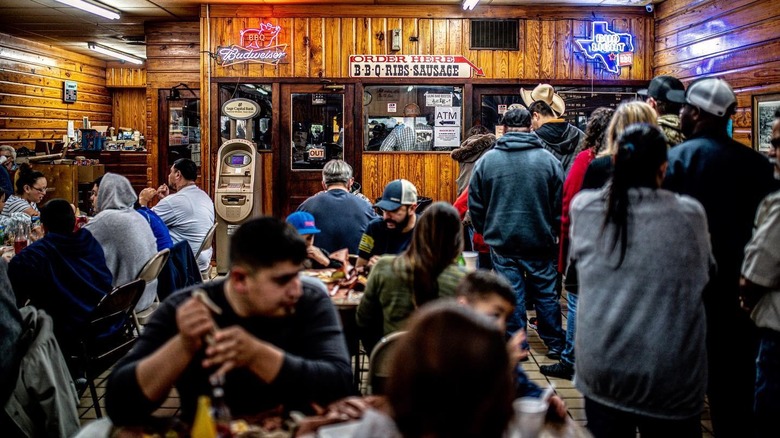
point(775, 142)
point(40, 189)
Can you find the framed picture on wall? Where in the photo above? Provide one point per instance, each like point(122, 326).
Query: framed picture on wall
point(764, 107)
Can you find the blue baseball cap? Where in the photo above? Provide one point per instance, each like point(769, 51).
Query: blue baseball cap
point(303, 222)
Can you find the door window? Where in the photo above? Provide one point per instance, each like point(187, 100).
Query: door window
point(317, 130)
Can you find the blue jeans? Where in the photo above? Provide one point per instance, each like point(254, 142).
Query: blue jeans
point(536, 280)
point(567, 357)
point(767, 403)
point(607, 422)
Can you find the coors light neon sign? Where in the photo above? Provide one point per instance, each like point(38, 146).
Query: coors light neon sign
point(259, 45)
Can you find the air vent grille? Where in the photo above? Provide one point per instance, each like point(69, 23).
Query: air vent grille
point(495, 35)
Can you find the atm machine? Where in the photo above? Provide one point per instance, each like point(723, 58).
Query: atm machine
point(236, 198)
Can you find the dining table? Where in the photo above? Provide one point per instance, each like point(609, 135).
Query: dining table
point(345, 295)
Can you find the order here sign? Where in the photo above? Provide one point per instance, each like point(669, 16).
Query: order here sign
point(411, 66)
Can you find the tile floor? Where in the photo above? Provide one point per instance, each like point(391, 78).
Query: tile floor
point(564, 388)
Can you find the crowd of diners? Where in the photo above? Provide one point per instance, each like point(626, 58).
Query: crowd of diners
point(660, 230)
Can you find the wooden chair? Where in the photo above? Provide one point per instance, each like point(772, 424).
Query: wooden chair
point(149, 273)
point(96, 354)
point(379, 363)
point(207, 240)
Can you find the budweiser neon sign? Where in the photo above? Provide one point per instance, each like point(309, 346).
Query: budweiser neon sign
point(260, 45)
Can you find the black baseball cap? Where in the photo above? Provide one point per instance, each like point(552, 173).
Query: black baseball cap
point(660, 87)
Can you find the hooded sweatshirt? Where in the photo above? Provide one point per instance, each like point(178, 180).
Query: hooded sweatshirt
point(468, 153)
point(515, 197)
point(561, 138)
point(125, 236)
point(64, 274)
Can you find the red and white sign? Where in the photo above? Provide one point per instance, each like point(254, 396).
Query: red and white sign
point(411, 66)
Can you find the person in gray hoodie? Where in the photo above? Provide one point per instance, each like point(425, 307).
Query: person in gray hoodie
point(515, 202)
point(125, 236)
point(557, 135)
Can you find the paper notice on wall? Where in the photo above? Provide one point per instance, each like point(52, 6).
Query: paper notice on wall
point(438, 99)
point(447, 116)
point(501, 109)
point(392, 107)
point(446, 136)
point(71, 129)
point(499, 131)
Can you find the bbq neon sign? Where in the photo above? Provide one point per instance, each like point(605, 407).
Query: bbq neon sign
point(260, 45)
point(611, 49)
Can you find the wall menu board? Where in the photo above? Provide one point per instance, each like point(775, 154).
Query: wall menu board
point(579, 104)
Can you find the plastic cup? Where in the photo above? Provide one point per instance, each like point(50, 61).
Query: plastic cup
point(529, 416)
point(470, 258)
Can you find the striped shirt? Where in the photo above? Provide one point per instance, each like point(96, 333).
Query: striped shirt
point(15, 204)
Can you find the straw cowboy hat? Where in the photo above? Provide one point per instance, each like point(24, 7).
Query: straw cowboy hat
point(545, 93)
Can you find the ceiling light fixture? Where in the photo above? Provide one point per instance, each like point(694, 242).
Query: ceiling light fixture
point(95, 8)
point(469, 4)
point(115, 53)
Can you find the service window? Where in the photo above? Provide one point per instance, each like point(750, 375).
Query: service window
point(407, 118)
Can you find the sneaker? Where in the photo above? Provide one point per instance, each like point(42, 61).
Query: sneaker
point(559, 370)
point(554, 354)
point(532, 323)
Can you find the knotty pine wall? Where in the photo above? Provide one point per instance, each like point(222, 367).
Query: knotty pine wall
point(31, 81)
point(736, 40)
point(321, 38)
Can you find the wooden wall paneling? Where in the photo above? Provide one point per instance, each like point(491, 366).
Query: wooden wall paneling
point(425, 36)
point(125, 77)
point(378, 30)
point(129, 108)
point(547, 58)
point(408, 30)
point(31, 106)
point(301, 47)
point(333, 51)
point(687, 18)
point(440, 36)
point(533, 48)
point(432, 174)
point(316, 47)
point(285, 67)
point(564, 49)
point(484, 60)
point(347, 37)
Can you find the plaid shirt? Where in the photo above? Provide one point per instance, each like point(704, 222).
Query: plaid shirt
point(401, 138)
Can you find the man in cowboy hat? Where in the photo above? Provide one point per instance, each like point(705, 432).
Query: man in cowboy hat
point(557, 135)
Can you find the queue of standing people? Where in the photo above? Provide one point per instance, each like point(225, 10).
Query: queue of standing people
point(654, 246)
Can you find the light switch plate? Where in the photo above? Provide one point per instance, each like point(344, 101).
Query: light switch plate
point(395, 39)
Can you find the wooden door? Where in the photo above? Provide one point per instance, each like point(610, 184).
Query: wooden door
point(313, 126)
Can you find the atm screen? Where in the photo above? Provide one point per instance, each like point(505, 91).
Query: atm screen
point(238, 160)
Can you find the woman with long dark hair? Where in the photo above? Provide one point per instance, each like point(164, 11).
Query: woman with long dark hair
point(30, 190)
point(643, 257)
point(424, 272)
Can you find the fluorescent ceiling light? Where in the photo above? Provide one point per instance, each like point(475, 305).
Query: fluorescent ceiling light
point(115, 53)
point(95, 8)
point(469, 4)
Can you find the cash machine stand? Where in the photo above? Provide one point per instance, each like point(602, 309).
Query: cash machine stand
point(236, 198)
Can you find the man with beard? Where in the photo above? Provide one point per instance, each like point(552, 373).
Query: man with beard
point(730, 180)
point(265, 334)
point(391, 233)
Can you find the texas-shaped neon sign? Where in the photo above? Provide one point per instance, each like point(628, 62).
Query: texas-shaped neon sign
point(612, 49)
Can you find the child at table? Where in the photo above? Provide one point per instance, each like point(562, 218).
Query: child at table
point(491, 295)
point(318, 258)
